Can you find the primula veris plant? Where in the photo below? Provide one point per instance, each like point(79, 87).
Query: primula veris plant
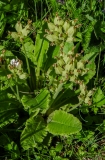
point(50, 78)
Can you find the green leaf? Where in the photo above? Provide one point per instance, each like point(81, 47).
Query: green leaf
point(7, 114)
point(64, 97)
point(2, 23)
point(52, 38)
point(4, 139)
point(1, 47)
point(58, 90)
point(62, 123)
point(8, 54)
point(52, 52)
point(54, 5)
point(89, 17)
point(59, 147)
point(99, 98)
point(8, 109)
point(13, 148)
point(96, 49)
point(91, 66)
point(92, 70)
point(87, 35)
point(41, 102)
point(3, 74)
point(40, 50)
point(90, 56)
point(103, 28)
point(7, 8)
point(56, 51)
point(68, 47)
point(18, 27)
point(28, 49)
point(33, 133)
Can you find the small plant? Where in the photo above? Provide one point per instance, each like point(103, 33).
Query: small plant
point(51, 80)
point(68, 71)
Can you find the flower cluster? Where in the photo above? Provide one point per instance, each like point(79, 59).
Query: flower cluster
point(20, 31)
point(69, 67)
point(61, 31)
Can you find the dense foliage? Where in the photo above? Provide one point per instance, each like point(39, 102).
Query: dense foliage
point(52, 80)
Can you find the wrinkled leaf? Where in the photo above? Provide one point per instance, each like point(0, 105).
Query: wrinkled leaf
point(33, 133)
point(99, 98)
point(41, 101)
point(62, 123)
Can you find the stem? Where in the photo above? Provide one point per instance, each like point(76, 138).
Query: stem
point(16, 94)
point(13, 90)
point(98, 63)
point(26, 92)
point(28, 68)
point(47, 5)
point(104, 4)
point(17, 90)
point(41, 11)
point(28, 153)
point(90, 4)
point(35, 10)
point(26, 59)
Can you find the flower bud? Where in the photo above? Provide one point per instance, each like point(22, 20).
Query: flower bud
point(58, 21)
point(71, 31)
point(76, 72)
point(72, 78)
point(61, 62)
point(18, 27)
point(69, 39)
point(51, 38)
point(51, 26)
point(58, 29)
point(66, 26)
point(80, 65)
point(58, 70)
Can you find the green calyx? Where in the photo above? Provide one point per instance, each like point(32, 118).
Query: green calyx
point(20, 31)
point(70, 66)
point(63, 31)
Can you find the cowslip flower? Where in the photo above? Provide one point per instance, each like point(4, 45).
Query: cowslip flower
point(20, 32)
